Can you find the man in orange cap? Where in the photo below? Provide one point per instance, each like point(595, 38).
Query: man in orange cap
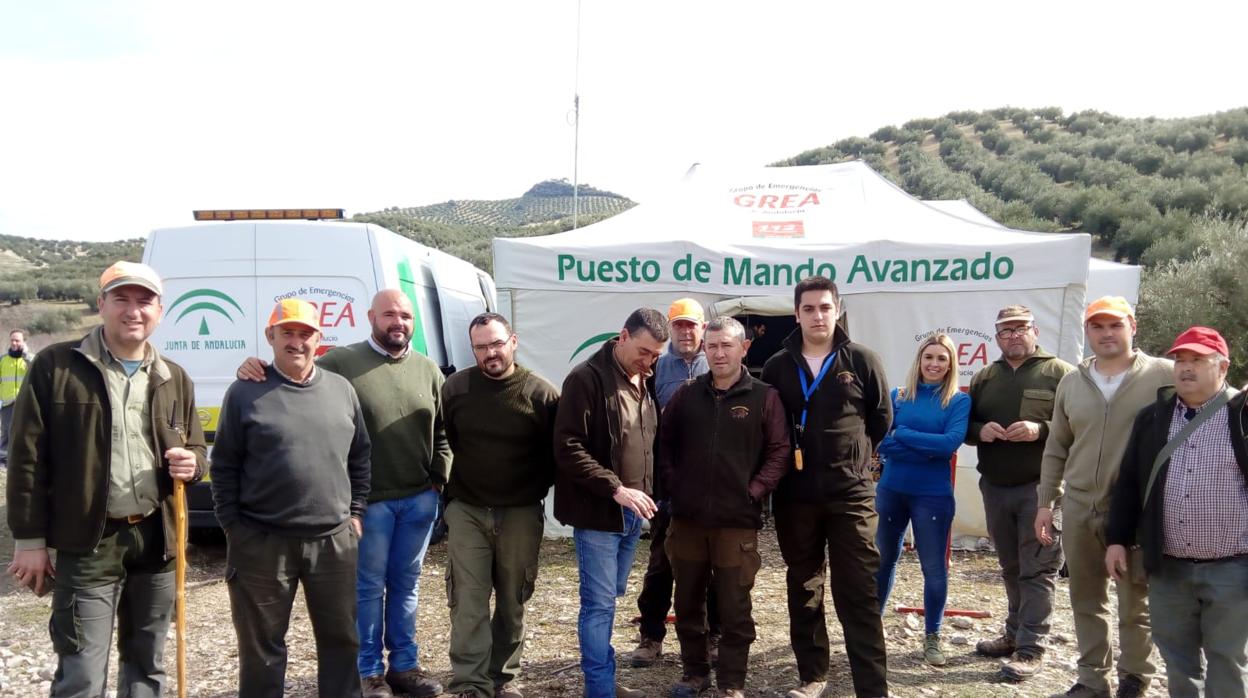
point(1181, 504)
point(1092, 415)
point(100, 431)
point(298, 443)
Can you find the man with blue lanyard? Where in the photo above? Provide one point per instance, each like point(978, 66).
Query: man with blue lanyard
point(836, 399)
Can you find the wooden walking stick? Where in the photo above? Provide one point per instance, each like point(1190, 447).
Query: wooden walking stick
point(179, 516)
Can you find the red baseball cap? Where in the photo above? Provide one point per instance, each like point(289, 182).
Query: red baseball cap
point(1202, 340)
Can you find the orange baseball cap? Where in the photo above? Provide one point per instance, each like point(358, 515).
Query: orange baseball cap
point(1114, 306)
point(686, 309)
point(296, 311)
point(130, 274)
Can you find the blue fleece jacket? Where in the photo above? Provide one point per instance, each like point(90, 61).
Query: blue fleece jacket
point(923, 438)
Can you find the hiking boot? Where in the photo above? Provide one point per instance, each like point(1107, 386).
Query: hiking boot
point(511, 689)
point(997, 647)
point(1025, 665)
point(375, 687)
point(690, 686)
point(622, 691)
point(932, 653)
point(647, 653)
point(1131, 686)
point(1081, 691)
point(413, 682)
point(712, 642)
point(814, 689)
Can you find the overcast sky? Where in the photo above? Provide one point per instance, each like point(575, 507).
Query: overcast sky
point(119, 117)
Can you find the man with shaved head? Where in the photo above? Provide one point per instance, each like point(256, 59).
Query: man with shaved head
point(400, 393)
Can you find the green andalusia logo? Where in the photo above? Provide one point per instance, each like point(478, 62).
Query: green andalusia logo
point(205, 299)
point(592, 341)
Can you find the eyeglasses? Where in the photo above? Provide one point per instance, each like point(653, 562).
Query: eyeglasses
point(1007, 333)
point(492, 346)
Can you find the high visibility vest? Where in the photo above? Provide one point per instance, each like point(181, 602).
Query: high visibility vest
point(12, 373)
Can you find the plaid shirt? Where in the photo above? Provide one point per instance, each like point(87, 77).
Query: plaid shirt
point(1206, 499)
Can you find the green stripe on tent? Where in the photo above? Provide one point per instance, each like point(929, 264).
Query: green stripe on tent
point(596, 339)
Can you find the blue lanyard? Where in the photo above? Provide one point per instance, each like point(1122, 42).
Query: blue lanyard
point(808, 390)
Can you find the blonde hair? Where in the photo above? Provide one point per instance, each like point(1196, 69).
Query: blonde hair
point(948, 385)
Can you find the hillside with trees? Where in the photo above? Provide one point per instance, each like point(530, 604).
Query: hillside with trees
point(1139, 186)
point(1170, 194)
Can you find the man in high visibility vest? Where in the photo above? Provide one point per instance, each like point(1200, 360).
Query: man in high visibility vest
point(13, 366)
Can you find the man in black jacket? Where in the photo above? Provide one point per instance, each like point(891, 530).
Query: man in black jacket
point(604, 475)
point(725, 446)
point(836, 397)
point(1189, 515)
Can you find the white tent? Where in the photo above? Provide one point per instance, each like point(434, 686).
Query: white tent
point(1105, 278)
point(739, 240)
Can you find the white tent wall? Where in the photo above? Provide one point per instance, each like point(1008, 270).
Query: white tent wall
point(904, 269)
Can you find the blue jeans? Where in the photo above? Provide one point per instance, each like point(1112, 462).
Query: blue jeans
point(604, 560)
point(930, 516)
point(396, 536)
point(1202, 608)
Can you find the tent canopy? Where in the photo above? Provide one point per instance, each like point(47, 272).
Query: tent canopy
point(738, 241)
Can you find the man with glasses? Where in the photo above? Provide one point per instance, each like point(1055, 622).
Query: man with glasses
point(400, 393)
point(1011, 406)
point(500, 420)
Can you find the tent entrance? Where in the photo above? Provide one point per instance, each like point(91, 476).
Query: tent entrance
point(767, 320)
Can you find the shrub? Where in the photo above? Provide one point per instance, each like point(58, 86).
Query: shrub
point(54, 321)
point(985, 123)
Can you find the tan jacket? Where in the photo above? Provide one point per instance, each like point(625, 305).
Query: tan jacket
point(1088, 435)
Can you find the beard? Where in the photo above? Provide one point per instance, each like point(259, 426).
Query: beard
point(495, 368)
point(386, 340)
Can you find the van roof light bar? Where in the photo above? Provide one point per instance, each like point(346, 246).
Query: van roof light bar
point(271, 214)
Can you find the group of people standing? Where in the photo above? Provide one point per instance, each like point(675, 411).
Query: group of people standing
point(329, 473)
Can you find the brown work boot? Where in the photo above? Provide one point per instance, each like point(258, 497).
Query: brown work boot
point(413, 682)
point(647, 653)
point(1131, 686)
point(622, 691)
point(690, 686)
point(1026, 664)
point(814, 689)
point(1081, 691)
point(511, 689)
point(375, 687)
point(997, 647)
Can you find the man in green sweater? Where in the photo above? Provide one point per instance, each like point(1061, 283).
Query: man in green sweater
point(1011, 405)
point(1092, 417)
point(400, 393)
point(500, 421)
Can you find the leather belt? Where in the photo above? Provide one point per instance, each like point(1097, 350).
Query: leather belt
point(1204, 560)
point(131, 519)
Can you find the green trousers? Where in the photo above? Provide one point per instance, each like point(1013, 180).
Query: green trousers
point(489, 550)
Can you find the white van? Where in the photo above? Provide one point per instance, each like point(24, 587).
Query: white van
point(222, 280)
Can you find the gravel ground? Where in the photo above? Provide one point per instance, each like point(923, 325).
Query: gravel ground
point(550, 664)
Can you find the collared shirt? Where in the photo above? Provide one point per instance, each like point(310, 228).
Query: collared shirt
point(672, 371)
point(1206, 500)
point(305, 381)
point(132, 488)
point(384, 352)
point(638, 424)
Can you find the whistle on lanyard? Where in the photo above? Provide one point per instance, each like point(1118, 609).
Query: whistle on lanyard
point(797, 458)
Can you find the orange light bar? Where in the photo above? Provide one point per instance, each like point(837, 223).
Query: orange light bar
point(271, 214)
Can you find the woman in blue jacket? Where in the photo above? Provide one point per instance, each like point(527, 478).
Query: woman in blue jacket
point(929, 423)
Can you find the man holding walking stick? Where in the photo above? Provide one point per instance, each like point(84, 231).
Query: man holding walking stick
point(102, 428)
